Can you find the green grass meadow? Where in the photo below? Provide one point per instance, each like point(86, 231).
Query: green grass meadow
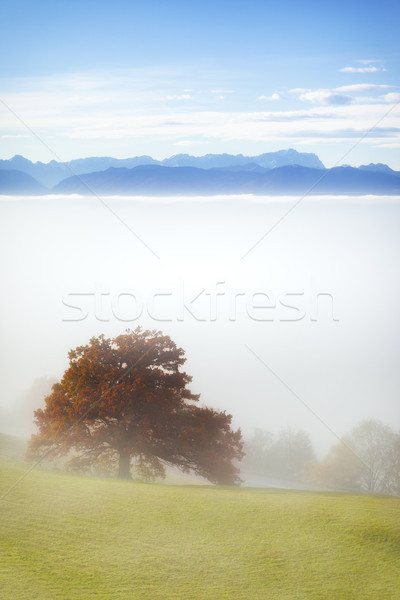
point(74, 538)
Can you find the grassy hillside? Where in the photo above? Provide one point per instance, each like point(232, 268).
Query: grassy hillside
point(67, 537)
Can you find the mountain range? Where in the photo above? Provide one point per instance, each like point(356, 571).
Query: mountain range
point(51, 173)
point(291, 179)
point(283, 172)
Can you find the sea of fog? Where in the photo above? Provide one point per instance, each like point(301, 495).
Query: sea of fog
point(288, 310)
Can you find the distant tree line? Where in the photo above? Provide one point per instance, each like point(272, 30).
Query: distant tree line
point(366, 460)
point(287, 455)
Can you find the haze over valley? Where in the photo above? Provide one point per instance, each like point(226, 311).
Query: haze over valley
point(316, 300)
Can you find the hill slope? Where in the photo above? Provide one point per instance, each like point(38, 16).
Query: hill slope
point(66, 537)
point(18, 183)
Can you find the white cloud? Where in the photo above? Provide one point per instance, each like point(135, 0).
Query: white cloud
point(187, 143)
point(393, 145)
point(272, 97)
point(326, 97)
point(336, 97)
point(366, 69)
point(222, 91)
point(361, 87)
point(392, 97)
point(347, 123)
point(179, 97)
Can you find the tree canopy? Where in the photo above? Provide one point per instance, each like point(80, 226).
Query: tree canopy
point(126, 401)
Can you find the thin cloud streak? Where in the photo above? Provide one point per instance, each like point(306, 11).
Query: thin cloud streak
point(368, 69)
point(326, 97)
point(344, 125)
point(362, 87)
point(273, 97)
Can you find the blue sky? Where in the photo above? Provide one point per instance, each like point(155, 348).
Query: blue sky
point(128, 78)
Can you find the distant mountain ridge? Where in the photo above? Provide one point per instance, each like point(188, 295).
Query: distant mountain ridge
point(220, 174)
point(290, 179)
point(378, 167)
point(268, 160)
point(49, 174)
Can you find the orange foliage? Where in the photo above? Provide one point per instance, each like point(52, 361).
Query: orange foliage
point(126, 400)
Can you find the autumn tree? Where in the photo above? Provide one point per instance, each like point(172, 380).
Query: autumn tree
point(126, 401)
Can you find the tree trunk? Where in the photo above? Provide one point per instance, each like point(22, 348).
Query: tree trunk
point(124, 466)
